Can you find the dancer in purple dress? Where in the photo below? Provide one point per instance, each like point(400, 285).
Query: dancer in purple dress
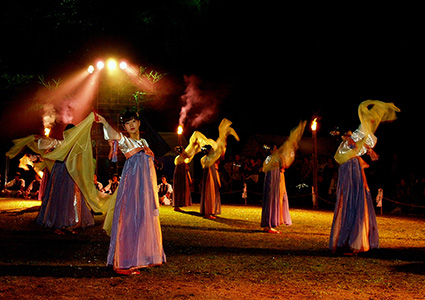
point(275, 209)
point(136, 238)
point(354, 226)
point(63, 204)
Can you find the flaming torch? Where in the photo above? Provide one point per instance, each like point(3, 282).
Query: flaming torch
point(315, 164)
point(314, 124)
point(179, 134)
point(47, 131)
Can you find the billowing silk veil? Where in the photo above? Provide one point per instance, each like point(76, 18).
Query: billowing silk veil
point(285, 154)
point(76, 150)
point(198, 140)
point(371, 113)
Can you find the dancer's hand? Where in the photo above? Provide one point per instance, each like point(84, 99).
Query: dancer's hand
point(148, 151)
point(100, 119)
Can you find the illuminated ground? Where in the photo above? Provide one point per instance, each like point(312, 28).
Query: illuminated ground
point(227, 258)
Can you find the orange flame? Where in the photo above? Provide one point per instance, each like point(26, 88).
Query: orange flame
point(46, 131)
point(314, 124)
point(180, 129)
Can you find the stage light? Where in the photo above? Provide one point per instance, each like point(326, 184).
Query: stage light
point(100, 65)
point(112, 64)
point(90, 69)
point(123, 65)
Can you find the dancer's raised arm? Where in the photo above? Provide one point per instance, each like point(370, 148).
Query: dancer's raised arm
point(109, 131)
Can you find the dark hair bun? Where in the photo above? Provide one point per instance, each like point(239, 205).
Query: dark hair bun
point(129, 115)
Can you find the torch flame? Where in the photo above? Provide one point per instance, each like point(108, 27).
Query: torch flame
point(46, 131)
point(314, 124)
point(180, 129)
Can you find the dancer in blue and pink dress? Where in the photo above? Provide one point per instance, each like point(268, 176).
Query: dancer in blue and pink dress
point(354, 226)
point(136, 237)
point(63, 204)
point(275, 207)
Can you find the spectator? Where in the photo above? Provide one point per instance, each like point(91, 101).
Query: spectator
point(97, 184)
point(112, 186)
point(165, 191)
point(34, 188)
point(15, 187)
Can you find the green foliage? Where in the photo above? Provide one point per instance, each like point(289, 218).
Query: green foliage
point(13, 80)
point(50, 84)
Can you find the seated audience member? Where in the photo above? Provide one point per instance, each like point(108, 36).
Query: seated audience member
point(34, 188)
point(112, 186)
point(165, 191)
point(15, 187)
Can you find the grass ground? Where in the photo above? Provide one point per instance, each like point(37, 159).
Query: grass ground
point(226, 258)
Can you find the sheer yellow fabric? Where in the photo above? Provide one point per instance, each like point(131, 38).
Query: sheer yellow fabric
point(371, 114)
point(224, 130)
point(20, 144)
point(30, 142)
point(284, 156)
point(76, 149)
point(198, 140)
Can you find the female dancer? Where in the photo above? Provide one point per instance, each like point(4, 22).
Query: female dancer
point(210, 195)
point(63, 204)
point(72, 159)
point(181, 181)
point(136, 238)
point(275, 210)
point(354, 227)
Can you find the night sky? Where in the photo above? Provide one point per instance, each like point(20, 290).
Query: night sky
point(277, 63)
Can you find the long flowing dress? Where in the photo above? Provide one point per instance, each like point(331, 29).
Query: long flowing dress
point(275, 204)
point(181, 186)
point(210, 193)
point(75, 150)
point(275, 207)
point(136, 238)
point(354, 225)
point(63, 204)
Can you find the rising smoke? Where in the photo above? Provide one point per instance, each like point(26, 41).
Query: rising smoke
point(49, 115)
point(200, 102)
point(70, 101)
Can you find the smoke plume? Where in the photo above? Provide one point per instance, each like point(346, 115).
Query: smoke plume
point(49, 115)
point(200, 102)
